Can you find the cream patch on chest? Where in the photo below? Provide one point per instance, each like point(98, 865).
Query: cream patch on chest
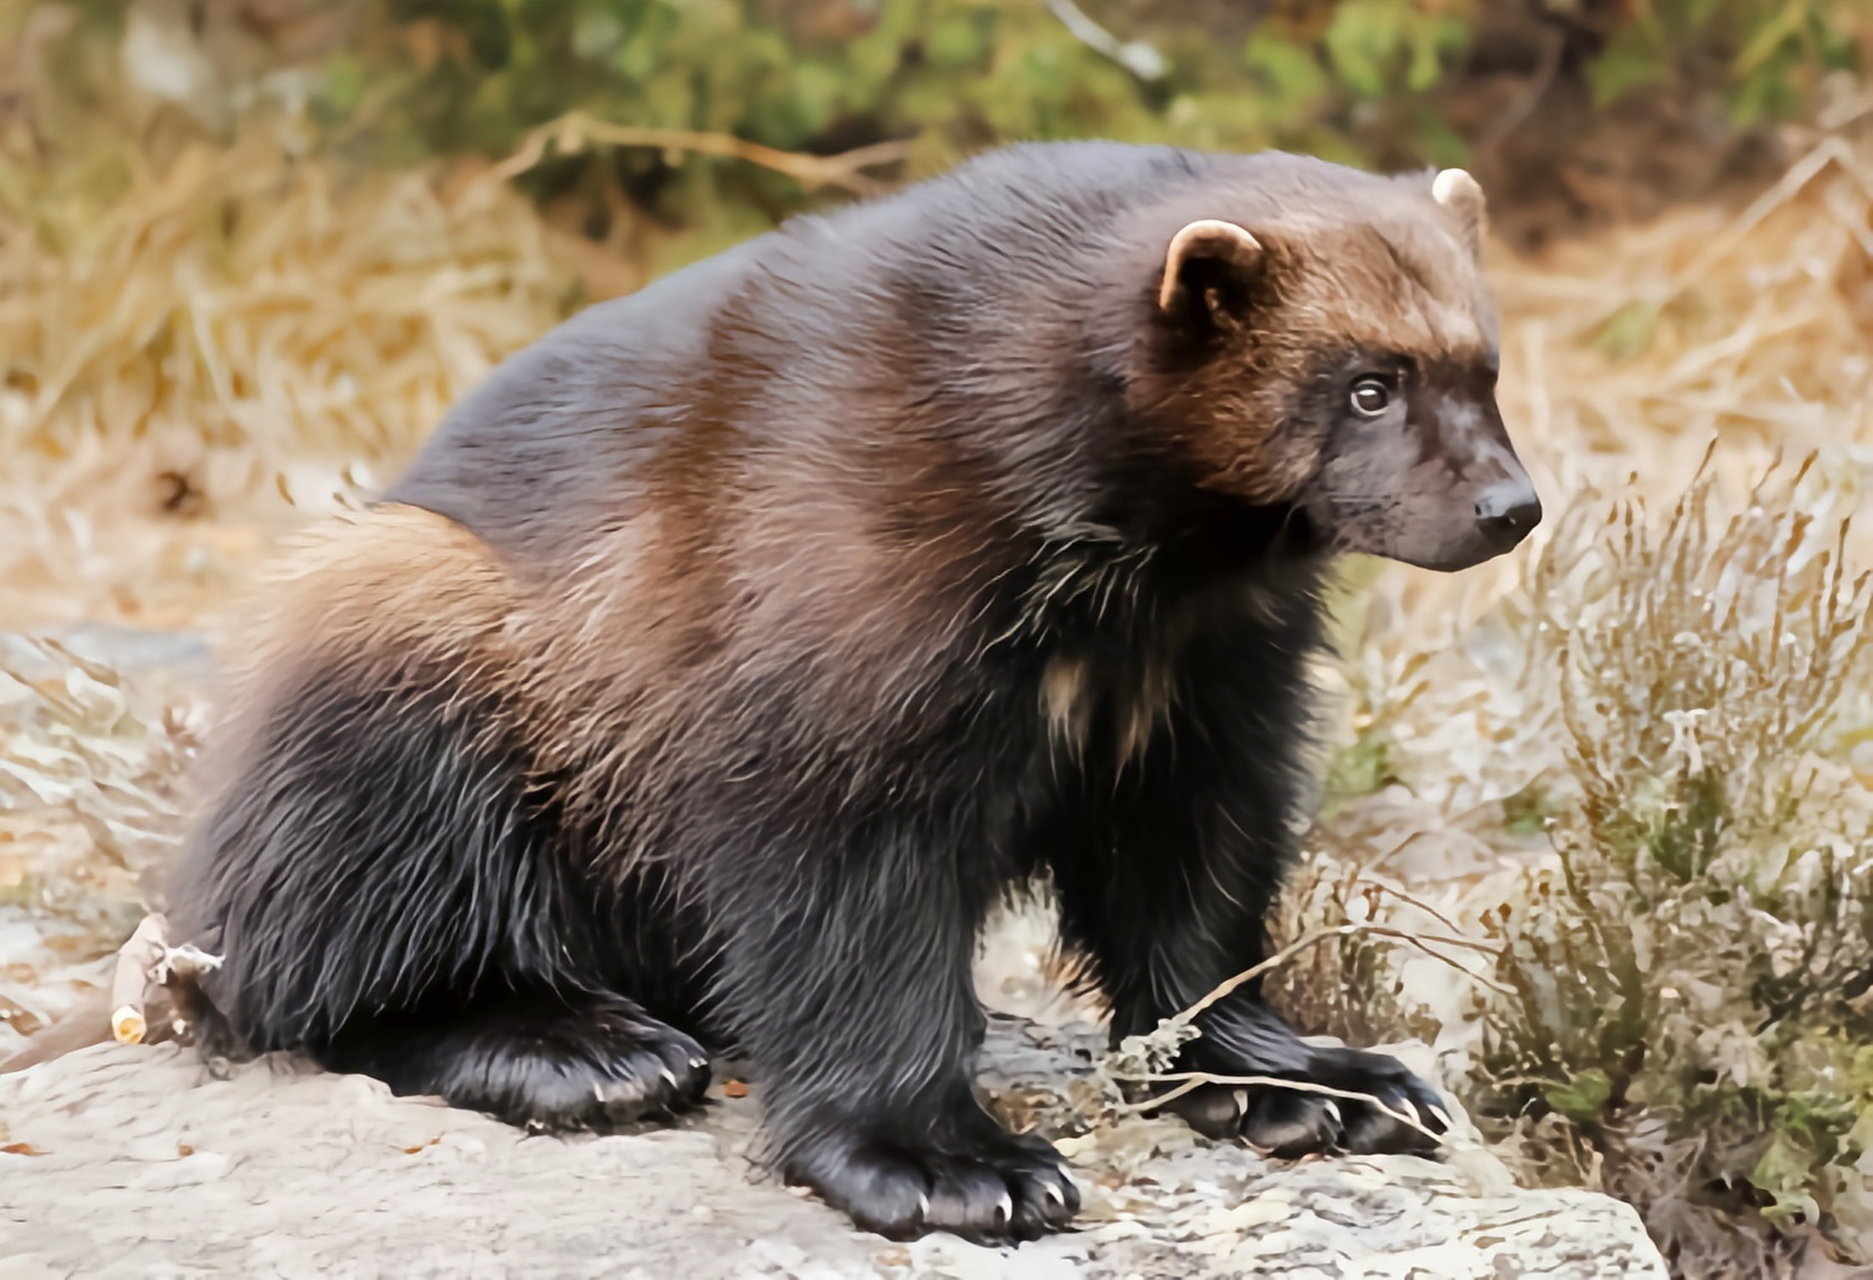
point(1137, 697)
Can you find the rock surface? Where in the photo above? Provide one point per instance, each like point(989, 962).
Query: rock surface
point(138, 1161)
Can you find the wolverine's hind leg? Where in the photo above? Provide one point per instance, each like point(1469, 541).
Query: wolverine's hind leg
point(380, 866)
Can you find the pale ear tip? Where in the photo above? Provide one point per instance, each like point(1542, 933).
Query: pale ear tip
point(1235, 241)
point(1215, 230)
point(1455, 184)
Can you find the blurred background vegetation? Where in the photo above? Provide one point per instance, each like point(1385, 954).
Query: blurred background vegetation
point(251, 250)
point(1572, 110)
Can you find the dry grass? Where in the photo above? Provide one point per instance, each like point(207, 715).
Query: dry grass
point(1528, 744)
point(231, 345)
point(240, 328)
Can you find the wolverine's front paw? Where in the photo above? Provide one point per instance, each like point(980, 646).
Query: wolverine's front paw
point(1290, 1123)
point(985, 1189)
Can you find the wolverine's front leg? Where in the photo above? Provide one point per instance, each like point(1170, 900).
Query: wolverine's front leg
point(847, 977)
point(1168, 934)
point(1166, 889)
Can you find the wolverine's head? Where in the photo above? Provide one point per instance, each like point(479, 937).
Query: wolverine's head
point(1324, 342)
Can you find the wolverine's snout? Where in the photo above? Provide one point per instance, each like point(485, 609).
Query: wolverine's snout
point(1442, 489)
point(1490, 504)
point(1506, 513)
point(1502, 513)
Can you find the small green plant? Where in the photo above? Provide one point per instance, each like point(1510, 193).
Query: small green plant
point(1677, 1003)
point(1686, 1016)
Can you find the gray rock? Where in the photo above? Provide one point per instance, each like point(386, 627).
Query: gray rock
point(137, 1161)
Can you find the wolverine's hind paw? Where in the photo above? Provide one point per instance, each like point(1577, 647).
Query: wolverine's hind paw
point(636, 1072)
point(1395, 1112)
point(595, 1063)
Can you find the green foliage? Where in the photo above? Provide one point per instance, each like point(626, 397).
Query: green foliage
point(1528, 811)
point(1373, 45)
point(953, 74)
point(1768, 54)
point(1628, 331)
point(1581, 1097)
point(1363, 764)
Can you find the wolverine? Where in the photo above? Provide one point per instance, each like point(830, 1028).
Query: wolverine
point(730, 653)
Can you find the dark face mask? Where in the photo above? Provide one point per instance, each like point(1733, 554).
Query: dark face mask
point(1418, 468)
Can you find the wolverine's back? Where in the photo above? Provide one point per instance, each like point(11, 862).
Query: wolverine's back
point(972, 308)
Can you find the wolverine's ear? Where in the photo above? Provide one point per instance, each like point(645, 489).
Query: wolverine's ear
point(1207, 240)
point(1462, 198)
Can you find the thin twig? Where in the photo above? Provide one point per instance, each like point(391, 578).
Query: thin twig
point(1833, 152)
point(578, 131)
point(1141, 59)
point(1500, 988)
point(1525, 102)
point(1411, 901)
point(1224, 989)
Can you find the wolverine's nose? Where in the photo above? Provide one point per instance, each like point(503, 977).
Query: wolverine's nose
point(1506, 512)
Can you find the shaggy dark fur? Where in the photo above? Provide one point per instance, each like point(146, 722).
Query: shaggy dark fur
point(724, 658)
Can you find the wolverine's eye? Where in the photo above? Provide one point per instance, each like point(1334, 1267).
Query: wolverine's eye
point(1370, 397)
